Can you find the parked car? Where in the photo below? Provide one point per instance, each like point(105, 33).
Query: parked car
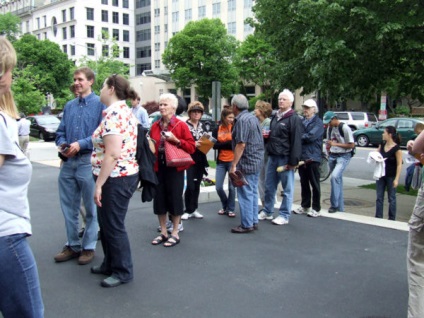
point(206, 119)
point(43, 126)
point(404, 127)
point(357, 120)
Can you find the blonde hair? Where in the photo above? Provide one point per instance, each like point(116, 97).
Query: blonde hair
point(7, 62)
point(7, 105)
point(264, 107)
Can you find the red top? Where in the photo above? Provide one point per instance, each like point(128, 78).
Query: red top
point(181, 131)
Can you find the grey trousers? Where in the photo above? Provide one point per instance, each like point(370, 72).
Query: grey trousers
point(415, 260)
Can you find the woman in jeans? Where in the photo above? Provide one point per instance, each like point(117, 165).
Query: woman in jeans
point(20, 294)
point(390, 150)
point(115, 170)
point(223, 163)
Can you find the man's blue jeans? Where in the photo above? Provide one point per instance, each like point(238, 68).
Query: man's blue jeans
point(337, 165)
point(248, 200)
point(20, 294)
point(228, 202)
point(272, 179)
point(76, 181)
point(381, 184)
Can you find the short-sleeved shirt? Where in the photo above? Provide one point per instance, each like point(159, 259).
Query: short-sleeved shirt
point(390, 162)
point(118, 120)
point(347, 139)
point(247, 130)
point(141, 114)
point(15, 175)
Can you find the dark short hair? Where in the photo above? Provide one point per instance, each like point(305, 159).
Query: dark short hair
point(88, 72)
point(122, 87)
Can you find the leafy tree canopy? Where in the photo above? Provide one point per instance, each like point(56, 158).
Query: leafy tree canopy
point(347, 48)
point(28, 98)
point(202, 53)
point(10, 26)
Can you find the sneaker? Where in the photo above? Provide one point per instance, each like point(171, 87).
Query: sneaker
point(86, 257)
point(185, 216)
point(314, 214)
point(279, 220)
point(196, 215)
point(168, 225)
point(180, 227)
point(66, 255)
point(301, 210)
point(264, 216)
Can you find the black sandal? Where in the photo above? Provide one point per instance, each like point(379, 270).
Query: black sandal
point(159, 240)
point(172, 241)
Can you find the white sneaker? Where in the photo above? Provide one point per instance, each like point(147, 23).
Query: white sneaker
point(180, 227)
point(195, 215)
point(314, 214)
point(185, 216)
point(263, 216)
point(168, 225)
point(301, 210)
point(279, 220)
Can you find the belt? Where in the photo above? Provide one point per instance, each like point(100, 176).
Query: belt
point(338, 154)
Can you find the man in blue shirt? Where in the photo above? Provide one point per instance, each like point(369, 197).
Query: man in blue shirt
point(81, 116)
point(140, 113)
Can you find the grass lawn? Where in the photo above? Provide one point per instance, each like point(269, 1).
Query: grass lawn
point(212, 164)
point(400, 189)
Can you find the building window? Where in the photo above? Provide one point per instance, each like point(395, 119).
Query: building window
point(231, 28)
point(72, 13)
point(202, 12)
point(115, 17)
point(90, 49)
point(63, 15)
point(104, 2)
point(45, 35)
point(115, 51)
point(64, 34)
point(115, 3)
point(157, 12)
point(65, 48)
point(165, 44)
point(90, 31)
point(126, 52)
point(125, 35)
point(105, 50)
point(115, 34)
point(157, 63)
point(38, 23)
point(72, 31)
point(165, 26)
point(72, 50)
point(188, 14)
point(143, 35)
point(90, 14)
point(125, 4)
point(105, 33)
point(126, 19)
point(248, 3)
point(175, 17)
point(248, 28)
point(143, 67)
point(142, 18)
point(231, 5)
point(157, 47)
point(105, 16)
point(142, 3)
point(45, 21)
point(145, 51)
point(216, 8)
point(157, 29)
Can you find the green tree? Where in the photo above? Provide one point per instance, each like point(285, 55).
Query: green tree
point(202, 53)
point(10, 26)
point(50, 67)
point(28, 98)
point(347, 48)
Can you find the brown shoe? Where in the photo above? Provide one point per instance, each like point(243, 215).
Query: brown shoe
point(66, 255)
point(240, 230)
point(86, 257)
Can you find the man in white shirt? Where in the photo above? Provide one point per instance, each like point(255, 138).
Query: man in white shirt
point(23, 132)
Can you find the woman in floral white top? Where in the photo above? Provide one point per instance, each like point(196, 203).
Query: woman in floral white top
point(115, 170)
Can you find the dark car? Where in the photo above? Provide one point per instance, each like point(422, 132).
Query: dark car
point(43, 126)
point(208, 122)
point(373, 135)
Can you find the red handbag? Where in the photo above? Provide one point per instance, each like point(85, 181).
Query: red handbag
point(177, 157)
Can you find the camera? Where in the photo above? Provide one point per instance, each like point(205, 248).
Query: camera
point(165, 134)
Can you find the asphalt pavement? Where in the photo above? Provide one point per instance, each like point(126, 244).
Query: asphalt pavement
point(340, 265)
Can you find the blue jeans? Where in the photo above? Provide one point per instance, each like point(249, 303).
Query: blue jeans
point(337, 165)
point(228, 202)
point(381, 184)
point(116, 195)
point(76, 181)
point(248, 200)
point(272, 179)
point(20, 294)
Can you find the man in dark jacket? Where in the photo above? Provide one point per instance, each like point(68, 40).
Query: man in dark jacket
point(311, 156)
point(284, 149)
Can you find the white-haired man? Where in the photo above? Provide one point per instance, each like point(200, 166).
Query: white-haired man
point(284, 149)
point(311, 155)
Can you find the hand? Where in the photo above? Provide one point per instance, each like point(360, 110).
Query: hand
point(409, 145)
point(233, 169)
point(74, 148)
point(98, 196)
point(395, 183)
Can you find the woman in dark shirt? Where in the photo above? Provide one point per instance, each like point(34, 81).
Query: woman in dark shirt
point(390, 150)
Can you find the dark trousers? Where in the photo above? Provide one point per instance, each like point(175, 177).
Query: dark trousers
point(116, 195)
point(191, 195)
point(309, 179)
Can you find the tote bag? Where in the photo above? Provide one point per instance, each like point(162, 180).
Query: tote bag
point(176, 157)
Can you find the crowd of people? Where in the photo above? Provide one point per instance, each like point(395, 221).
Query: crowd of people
point(98, 139)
